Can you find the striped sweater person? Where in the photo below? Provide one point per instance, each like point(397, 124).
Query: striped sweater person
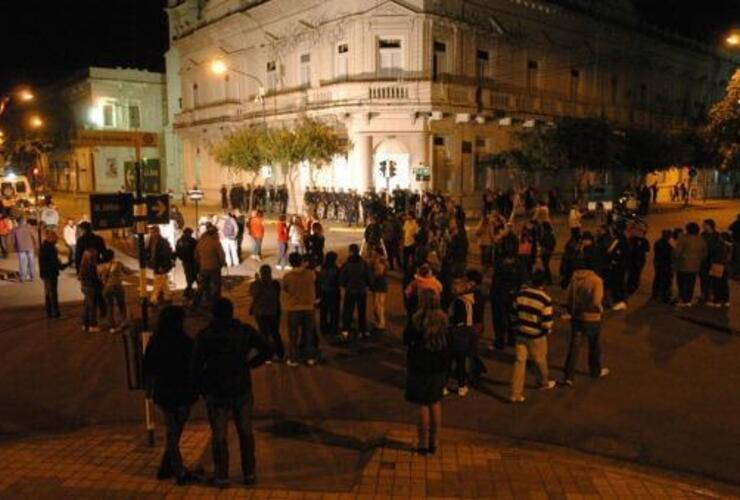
point(532, 320)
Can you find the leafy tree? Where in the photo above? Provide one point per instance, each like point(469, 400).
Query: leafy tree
point(242, 152)
point(722, 132)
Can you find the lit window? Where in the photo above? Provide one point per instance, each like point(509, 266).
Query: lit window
point(439, 62)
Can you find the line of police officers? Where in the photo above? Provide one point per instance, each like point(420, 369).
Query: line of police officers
point(270, 199)
point(348, 206)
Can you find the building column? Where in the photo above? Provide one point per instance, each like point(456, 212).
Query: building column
point(362, 160)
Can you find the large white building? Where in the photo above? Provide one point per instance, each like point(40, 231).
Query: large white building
point(438, 83)
point(109, 108)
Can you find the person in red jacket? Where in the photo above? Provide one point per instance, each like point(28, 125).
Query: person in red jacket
point(257, 232)
point(282, 241)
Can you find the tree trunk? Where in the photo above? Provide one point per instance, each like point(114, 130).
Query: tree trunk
point(294, 204)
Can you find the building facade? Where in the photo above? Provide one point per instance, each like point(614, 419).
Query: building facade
point(434, 85)
point(112, 108)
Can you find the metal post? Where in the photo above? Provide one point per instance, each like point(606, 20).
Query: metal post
point(197, 221)
point(140, 225)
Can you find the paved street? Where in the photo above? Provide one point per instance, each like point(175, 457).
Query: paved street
point(671, 401)
point(334, 459)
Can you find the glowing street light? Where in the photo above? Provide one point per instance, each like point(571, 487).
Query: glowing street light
point(26, 95)
point(35, 121)
point(218, 67)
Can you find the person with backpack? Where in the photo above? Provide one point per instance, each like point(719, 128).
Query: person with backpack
point(221, 368)
point(111, 273)
point(185, 251)
point(265, 308)
point(584, 298)
point(209, 254)
point(329, 296)
point(532, 320)
point(161, 261)
point(460, 334)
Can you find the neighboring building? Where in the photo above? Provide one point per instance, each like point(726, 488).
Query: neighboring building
point(437, 83)
point(111, 108)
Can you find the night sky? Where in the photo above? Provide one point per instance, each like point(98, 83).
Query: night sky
point(41, 40)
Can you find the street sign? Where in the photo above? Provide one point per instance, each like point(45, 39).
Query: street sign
point(111, 210)
point(157, 208)
point(196, 194)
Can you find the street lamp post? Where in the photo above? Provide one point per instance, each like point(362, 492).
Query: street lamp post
point(219, 67)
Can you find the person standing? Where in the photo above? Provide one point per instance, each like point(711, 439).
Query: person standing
point(618, 256)
point(547, 248)
point(639, 247)
point(329, 296)
point(88, 240)
point(24, 241)
point(663, 267)
point(574, 219)
point(185, 251)
point(505, 285)
point(719, 273)
point(281, 230)
point(70, 239)
point(224, 197)
point(410, 228)
point(221, 367)
point(228, 239)
point(460, 334)
point(354, 277)
point(584, 298)
point(265, 308)
point(256, 226)
point(91, 290)
point(209, 255)
point(49, 268)
point(484, 232)
point(315, 250)
point(379, 288)
point(533, 321)
point(688, 256)
point(241, 227)
point(50, 217)
point(428, 360)
point(160, 261)
point(6, 228)
point(167, 363)
point(111, 273)
point(298, 298)
point(714, 256)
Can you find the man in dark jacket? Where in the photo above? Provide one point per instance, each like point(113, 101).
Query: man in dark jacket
point(87, 239)
point(354, 277)
point(663, 264)
point(185, 251)
point(714, 256)
point(49, 267)
point(221, 369)
point(505, 285)
point(639, 247)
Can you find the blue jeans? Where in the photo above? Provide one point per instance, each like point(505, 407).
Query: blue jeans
point(301, 331)
point(219, 413)
point(25, 265)
point(592, 332)
point(282, 254)
point(257, 246)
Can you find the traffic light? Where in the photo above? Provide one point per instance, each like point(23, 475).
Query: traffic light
point(383, 167)
point(392, 170)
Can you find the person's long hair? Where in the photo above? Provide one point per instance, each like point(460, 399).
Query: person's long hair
point(171, 323)
point(431, 321)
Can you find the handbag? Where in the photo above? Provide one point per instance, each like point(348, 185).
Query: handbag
point(717, 270)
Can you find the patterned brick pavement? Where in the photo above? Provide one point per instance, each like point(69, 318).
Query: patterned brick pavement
point(330, 460)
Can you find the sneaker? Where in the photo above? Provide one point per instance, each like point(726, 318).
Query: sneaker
point(279, 267)
point(445, 392)
point(604, 372)
point(566, 383)
point(683, 304)
point(311, 361)
point(462, 391)
point(619, 306)
point(291, 363)
point(725, 304)
point(565, 316)
point(514, 400)
point(550, 384)
point(714, 304)
point(345, 335)
point(112, 330)
point(268, 362)
point(84, 329)
point(93, 329)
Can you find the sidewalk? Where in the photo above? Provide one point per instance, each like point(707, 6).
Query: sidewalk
point(331, 459)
